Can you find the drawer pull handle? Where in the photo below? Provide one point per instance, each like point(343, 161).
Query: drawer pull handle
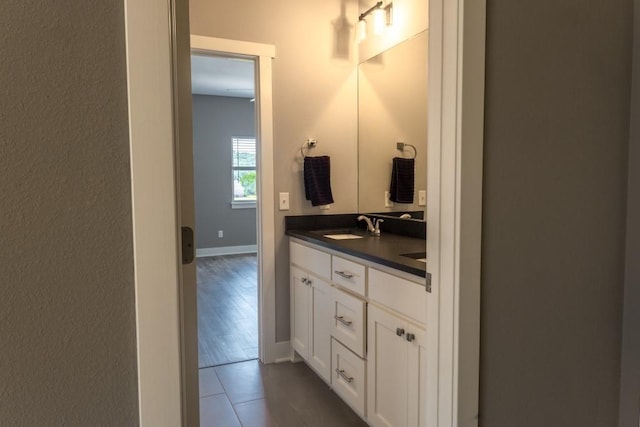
point(344, 376)
point(399, 332)
point(343, 274)
point(411, 337)
point(341, 320)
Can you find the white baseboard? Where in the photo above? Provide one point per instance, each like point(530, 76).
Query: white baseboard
point(226, 250)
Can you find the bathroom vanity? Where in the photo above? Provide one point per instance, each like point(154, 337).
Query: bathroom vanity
point(358, 318)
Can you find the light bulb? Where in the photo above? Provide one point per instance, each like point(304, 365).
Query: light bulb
point(362, 29)
point(379, 21)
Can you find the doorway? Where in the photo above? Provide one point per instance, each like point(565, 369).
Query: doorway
point(225, 199)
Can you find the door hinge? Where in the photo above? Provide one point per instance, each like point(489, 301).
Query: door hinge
point(428, 283)
point(187, 245)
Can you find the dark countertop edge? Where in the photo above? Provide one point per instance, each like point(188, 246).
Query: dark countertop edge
point(302, 235)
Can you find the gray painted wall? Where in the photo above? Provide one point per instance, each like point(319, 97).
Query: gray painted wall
point(314, 95)
point(216, 119)
point(630, 374)
point(556, 137)
point(67, 321)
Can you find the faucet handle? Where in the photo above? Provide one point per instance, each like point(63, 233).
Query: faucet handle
point(376, 231)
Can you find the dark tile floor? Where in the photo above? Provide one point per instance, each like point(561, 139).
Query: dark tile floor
point(227, 309)
point(251, 394)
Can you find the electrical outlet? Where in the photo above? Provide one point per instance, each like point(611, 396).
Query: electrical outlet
point(387, 203)
point(220, 234)
point(422, 198)
point(284, 202)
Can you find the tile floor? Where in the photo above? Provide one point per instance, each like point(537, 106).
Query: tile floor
point(251, 394)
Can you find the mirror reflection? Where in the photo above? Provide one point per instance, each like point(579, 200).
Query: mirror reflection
point(392, 108)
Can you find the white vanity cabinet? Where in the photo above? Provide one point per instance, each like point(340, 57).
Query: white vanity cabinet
point(396, 355)
point(361, 326)
point(311, 308)
point(396, 369)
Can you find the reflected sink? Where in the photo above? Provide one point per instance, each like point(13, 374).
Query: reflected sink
point(342, 236)
point(418, 256)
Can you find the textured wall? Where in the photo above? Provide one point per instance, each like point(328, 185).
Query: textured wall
point(67, 325)
point(216, 119)
point(556, 136)
point(314, 95)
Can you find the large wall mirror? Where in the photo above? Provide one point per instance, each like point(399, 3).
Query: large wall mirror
point(392, 107)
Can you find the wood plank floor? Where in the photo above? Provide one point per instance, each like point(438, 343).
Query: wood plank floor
point(227, 309)
point(250, 394)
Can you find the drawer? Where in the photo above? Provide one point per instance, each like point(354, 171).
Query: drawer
point(316, 261)
point(405, 297)
point(348, 377)
point(349, 274)
point(349, 321)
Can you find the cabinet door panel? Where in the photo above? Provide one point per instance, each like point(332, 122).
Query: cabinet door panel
point(387, 355)
point(299, 312)
point(321, 305)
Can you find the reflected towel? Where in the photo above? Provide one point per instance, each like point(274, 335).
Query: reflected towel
point(317, 180)
point(402, 180)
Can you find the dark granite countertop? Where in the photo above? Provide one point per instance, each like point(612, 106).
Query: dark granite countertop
point(387, 249)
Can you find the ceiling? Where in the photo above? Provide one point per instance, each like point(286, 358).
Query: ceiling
point(222, 76)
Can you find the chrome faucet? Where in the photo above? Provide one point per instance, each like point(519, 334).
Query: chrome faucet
point(375, 230)
point(370, 227)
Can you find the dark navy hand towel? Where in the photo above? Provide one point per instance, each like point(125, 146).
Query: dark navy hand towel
point(402, 180)
point(317, 180)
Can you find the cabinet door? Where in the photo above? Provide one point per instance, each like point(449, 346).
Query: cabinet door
point(299, 312)
point(417, 377)
point(321, 304)
point(387, 355)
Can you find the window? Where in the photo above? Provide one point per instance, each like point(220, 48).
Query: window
point(244, 172)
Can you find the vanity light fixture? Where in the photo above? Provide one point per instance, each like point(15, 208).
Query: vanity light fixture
point(382, 17)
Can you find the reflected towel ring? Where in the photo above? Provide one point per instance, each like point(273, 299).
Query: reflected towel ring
point(400, 146)
point(309, 144)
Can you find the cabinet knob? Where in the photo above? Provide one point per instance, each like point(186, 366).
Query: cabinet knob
point(399, 332)
point(410, 337)
point(304, 280)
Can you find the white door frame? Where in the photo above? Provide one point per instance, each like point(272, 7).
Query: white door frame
point(262, 54)
point(454, 215)
point(456, 82)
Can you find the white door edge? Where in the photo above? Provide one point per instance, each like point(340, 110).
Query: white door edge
point(154, 213)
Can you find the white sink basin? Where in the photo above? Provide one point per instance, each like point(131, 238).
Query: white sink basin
point(343, 236)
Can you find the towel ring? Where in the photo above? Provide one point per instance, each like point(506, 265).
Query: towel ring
point(309, 144)
point(400, 146)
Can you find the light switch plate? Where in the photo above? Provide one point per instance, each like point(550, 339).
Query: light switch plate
point(422, 198)
point(284, 202)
